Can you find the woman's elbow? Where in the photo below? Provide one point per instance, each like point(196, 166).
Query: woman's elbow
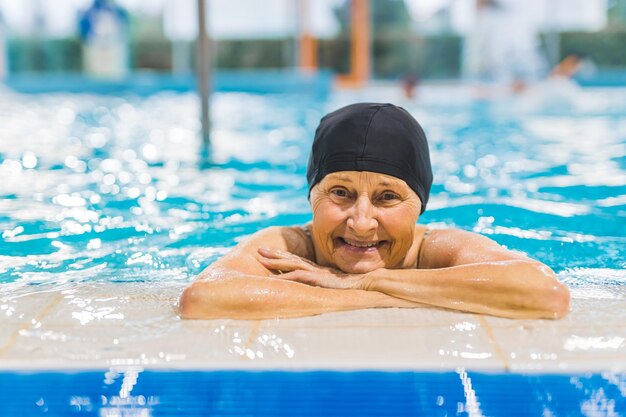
point(191, 302)
point(558, 301)
point(223, 299)
point(555, 297)
point(204, 300)
point(550, 298)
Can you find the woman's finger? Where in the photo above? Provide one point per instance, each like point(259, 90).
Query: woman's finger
point(318, 279)
point(284, 265)
point(277, 264)
point(276, 254)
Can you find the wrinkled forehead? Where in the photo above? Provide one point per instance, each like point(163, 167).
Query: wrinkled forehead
point(364, 178)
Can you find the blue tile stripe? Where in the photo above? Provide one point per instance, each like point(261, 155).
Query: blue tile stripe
point(319, 393)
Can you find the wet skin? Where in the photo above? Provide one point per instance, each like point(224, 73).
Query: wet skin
point(365, 254)
point(363, 221)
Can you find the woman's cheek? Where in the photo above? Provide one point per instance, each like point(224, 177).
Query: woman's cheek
point(326, 219)
point(401, 226)
point(402, 218)
point(328, 213)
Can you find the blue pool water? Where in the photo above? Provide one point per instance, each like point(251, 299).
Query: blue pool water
point(101, 188)
point(115, 189)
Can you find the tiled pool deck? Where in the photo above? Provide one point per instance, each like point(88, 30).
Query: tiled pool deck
point(135, 324)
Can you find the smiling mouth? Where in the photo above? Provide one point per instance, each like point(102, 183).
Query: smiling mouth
point(360, 245)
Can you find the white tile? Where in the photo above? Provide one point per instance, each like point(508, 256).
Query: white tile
point(164, 343)
point(249, 344)
point(592, 337)
point(443, 347)
point(561, 348)
point(583, 313)
point(375, 318)
point(114, 304)
point(8, 332)
point(137, 324)
point(25, 308)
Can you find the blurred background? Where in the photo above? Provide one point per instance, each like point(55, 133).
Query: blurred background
point(410, 40)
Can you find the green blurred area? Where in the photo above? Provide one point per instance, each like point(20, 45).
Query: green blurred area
point(398, 48)
point(606, 49)
point(430, 57)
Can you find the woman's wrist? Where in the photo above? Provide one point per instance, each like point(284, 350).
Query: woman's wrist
point(369, 279)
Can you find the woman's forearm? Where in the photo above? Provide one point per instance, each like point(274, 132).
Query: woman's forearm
point(514, 289)
point(251, 297)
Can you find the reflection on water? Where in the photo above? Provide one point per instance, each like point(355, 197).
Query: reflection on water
point(472, 406)
point(458, 347)
point(113, 183)
point(124, 403)
point(574, 343)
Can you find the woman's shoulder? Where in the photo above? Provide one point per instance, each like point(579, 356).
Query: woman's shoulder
point(427, 235)
point(294, 239)
point(436, 242)
point(301, 242)
point(444, 247)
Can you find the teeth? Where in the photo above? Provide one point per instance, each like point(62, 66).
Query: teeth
point(360, 244)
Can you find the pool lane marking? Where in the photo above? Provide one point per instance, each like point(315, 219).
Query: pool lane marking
point(25, 326)
point(494, 343)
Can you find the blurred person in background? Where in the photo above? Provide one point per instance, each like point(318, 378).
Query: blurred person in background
point(503, 49)
point(409, 84)
point(568, 67)
point(559, 90)
point(104, 32)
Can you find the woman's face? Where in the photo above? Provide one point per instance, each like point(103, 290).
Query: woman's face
point(363, 221)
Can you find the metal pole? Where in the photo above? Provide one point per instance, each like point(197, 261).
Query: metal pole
point(204, 68)
point(307, 43)
point(361, 33)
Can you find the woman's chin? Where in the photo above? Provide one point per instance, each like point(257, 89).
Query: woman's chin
point(359, 260)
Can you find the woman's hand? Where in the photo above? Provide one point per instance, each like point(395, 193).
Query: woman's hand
point(294, 268)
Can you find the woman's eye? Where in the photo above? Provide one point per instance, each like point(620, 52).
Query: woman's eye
point(339, 192)
point(389, 196)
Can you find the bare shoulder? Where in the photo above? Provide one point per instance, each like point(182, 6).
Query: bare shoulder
point(298, 241)
point(244, 256)
point(286, 238)
point(443, 248)
point(293, 239)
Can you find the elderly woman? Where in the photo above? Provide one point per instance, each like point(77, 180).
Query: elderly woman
point(369, 178)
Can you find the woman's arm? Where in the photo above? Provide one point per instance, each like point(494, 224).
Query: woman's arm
point(238, 286)
point(458, 270)
point(488, 278)
point(513, 289)
point(240, 296)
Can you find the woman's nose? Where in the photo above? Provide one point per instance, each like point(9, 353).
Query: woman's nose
point(362, 218)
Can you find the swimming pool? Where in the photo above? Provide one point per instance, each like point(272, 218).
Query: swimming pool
point(102, 190)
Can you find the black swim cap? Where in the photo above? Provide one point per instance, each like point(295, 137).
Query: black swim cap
point(372, 137)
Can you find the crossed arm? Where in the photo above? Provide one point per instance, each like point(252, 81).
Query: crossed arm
point(458, 270)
